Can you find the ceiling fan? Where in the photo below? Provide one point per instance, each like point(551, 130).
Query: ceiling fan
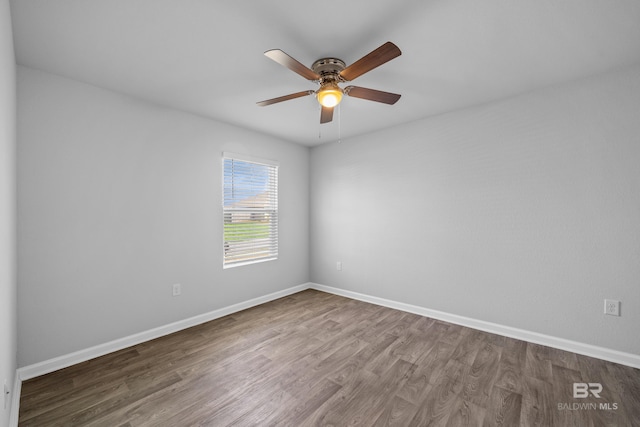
point(329, 72)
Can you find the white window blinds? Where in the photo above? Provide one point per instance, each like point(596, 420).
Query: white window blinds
point(250, 209)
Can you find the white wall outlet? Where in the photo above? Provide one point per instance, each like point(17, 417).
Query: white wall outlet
point(177, 289)
point(612, 307)
point(339, 265)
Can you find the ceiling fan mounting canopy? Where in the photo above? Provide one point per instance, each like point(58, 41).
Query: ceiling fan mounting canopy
point(328, 66)
point(328, 72)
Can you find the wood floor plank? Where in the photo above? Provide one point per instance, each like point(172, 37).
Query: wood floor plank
point(562, 391)
point(398, 412)
point(467, 349)
point(314, 358)
point(303, 405)
point(437, 405)
point(365, 406)
point(538, 405)
point(383, 320)
point(264, 403)
point(563, 358)
point(409, 348)
point(95, 410)
point(510, 374)
point(537, 363)
point(341, 401)
point(343, 374)
point(70, 384)
point(422, 328)
point(321, 369)
point(482, 375)
point(626, 393)
point(455, 373)
point(504, 408)
point(455, 334)
point(403, 325)
point(464, 414)
point(429, 369)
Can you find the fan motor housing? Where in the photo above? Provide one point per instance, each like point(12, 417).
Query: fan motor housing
point(326, 67)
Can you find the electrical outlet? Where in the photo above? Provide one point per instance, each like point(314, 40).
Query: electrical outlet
point(177, 289)
point(339, 265)
point(612, 307)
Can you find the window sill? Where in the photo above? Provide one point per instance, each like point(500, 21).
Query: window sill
point(256, 261)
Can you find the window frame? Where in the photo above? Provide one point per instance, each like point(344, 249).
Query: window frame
point(271, 212)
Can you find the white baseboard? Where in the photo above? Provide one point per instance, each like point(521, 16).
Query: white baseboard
point(14, 409)
point(615, 356)
point(51, 365)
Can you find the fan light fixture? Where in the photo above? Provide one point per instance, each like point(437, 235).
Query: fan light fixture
point(329, 95)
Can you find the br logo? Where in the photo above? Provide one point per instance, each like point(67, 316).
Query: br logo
point(582, 390)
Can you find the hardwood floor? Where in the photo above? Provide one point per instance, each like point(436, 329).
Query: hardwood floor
point(318, 359)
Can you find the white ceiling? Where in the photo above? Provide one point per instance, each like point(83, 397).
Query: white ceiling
point(206, 57)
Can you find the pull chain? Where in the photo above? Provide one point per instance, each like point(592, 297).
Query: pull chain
point(339, 124)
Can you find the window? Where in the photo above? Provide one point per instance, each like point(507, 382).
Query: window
point(250, 209)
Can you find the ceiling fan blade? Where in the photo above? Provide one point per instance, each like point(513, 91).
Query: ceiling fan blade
point(284, 98)
point(374, 59)
point(326, 115)
point(372, 94)
point(283, 59)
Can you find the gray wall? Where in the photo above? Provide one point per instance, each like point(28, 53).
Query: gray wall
point(8, 316)
point(524, 212)
point(117, 200)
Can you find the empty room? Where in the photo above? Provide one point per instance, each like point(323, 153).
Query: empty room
point(286, 213)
